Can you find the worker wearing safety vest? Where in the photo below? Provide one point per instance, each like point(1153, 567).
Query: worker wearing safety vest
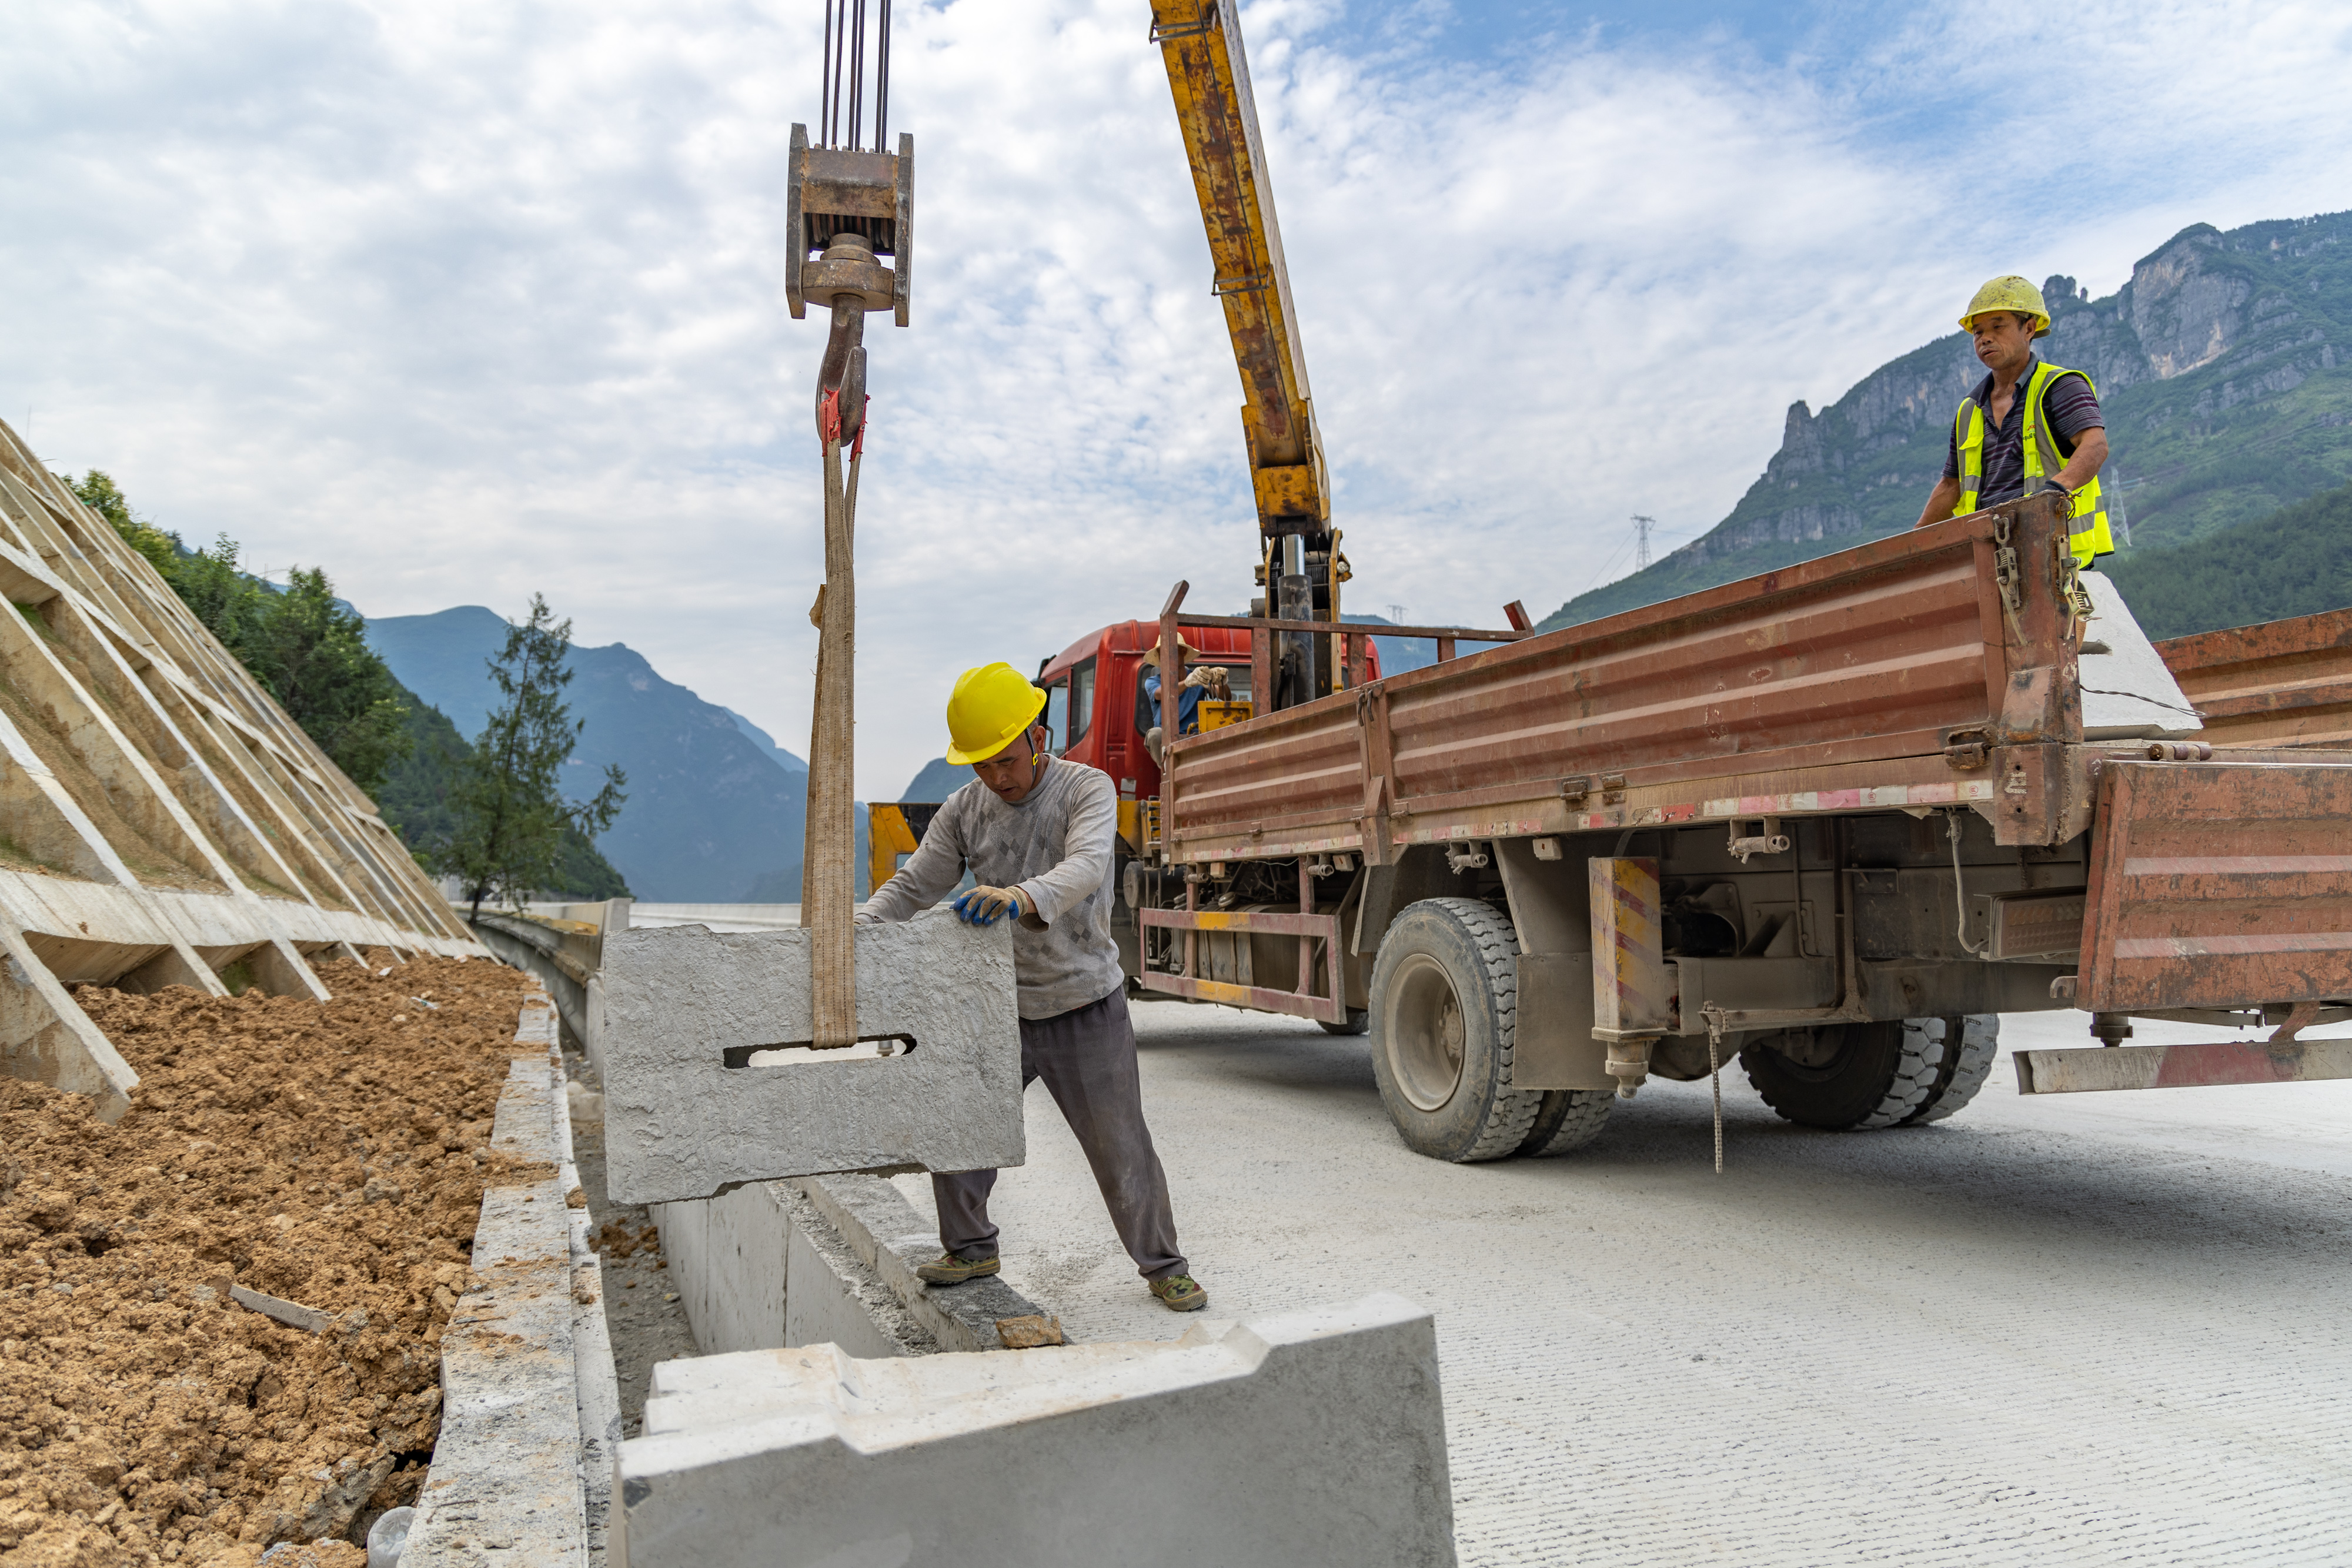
point(1039, 832)
point(2030, 426)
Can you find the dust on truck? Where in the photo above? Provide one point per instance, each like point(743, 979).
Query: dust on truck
point(1830, 821)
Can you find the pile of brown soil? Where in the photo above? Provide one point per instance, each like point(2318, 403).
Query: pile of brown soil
point(327, 1154)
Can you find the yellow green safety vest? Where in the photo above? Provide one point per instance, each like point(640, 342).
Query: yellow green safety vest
point(2087, 525)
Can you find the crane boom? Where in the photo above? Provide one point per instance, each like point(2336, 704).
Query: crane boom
point(1201, 41)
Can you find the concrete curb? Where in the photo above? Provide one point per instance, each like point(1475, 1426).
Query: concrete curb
point(822, 1259)
point(890, 1238)
point(531, 1410)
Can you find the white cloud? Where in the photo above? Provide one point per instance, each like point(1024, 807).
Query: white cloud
point(462, 300)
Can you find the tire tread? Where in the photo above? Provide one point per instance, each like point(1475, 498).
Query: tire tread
point(1964, 1070)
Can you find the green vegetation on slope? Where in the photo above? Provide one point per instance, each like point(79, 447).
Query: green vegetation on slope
point(2297, 562)
point(306, 648)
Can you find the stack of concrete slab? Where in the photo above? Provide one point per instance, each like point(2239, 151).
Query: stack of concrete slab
point(1308, 1439)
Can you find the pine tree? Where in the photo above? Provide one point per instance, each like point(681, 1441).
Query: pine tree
point(511, 814)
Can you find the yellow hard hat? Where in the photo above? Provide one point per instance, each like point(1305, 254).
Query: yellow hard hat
point(988, 708)
point(2011, 293)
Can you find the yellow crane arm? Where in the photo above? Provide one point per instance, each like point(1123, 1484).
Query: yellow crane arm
point(1201, 41)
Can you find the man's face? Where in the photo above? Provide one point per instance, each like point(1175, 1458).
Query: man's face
point(2004, 339)
point(1013, 772)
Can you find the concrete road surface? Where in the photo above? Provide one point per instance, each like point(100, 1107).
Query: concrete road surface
point(2082, 1329)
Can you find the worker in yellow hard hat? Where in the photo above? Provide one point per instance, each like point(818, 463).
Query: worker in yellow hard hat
point(1037, 833)
point(2028, 427)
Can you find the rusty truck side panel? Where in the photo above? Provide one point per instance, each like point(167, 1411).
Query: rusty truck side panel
point(1935, 666)
point(2226, 883)
point(2283, 683)
point(1930, 670)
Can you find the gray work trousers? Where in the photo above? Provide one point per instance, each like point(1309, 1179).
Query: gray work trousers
point(1087, 1056)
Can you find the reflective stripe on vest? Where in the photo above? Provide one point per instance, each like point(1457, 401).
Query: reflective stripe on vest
point(2087, 523)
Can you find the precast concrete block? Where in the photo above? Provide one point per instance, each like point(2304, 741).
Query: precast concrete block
point(1308, 1439)
point(727, 1261)
point(707, 1081)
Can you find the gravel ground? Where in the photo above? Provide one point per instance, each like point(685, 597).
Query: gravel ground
point(2075, 1329)
point(332, 1155)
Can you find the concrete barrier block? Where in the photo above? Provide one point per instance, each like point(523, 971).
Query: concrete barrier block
point(1308, 1439)
point(835, 1301)
point(689, 1110)
point(727, 1262)
point(506, 1484)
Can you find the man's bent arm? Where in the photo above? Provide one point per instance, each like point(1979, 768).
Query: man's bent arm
point(1087, 849)
point(2090, 456)
point(929, 874)
point(1941, 500)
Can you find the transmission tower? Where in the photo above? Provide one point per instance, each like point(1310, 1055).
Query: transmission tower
point(1641, 527)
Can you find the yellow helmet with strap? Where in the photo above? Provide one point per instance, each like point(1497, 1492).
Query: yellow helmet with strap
point(2011, 293)
point(989, 709)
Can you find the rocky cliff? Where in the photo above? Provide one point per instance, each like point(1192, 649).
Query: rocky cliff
point(2224, 367)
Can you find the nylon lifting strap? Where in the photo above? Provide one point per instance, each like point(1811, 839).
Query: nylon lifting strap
point(828, 852)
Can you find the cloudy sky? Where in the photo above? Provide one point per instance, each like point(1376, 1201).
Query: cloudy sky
point(466, 298)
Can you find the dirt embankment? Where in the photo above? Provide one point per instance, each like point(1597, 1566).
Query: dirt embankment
point(327, 1154)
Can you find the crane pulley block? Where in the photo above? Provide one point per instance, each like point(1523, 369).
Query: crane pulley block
point(837, 191)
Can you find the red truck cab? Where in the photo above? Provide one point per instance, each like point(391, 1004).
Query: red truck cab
point(1098, 713)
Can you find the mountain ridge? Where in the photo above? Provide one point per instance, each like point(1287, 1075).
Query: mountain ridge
point(713, 809)
point(2218, 367)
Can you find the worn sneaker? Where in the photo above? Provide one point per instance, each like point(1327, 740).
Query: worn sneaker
point(948, 1269)
point(1180, 1293)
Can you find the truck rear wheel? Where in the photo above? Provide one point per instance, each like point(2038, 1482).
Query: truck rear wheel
point(1358, 1021)
point(1963, 1071)
point(1445, 998)
point(1568, 1119)
point(1848, 1076)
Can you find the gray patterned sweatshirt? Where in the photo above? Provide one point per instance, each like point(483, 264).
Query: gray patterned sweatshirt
point(1056, 848)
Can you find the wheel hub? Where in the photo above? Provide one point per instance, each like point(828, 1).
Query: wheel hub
point(1424, 1034)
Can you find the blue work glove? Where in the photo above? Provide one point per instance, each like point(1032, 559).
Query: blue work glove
point(987, 906)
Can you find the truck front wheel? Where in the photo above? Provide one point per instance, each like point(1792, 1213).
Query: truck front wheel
point(1445, 998)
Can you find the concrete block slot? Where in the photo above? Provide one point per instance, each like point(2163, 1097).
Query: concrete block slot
point(1306, 1439)
point(804, 1054)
